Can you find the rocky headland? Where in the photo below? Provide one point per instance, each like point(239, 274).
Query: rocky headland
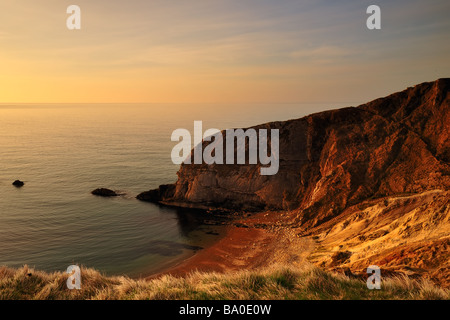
point(369, 184)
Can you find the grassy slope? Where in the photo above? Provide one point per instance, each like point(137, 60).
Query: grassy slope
point(276, 282)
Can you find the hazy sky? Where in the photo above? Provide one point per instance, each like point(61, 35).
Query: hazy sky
point(219, 50)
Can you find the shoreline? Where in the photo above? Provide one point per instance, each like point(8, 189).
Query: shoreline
point(245, 246)
point(223, 255)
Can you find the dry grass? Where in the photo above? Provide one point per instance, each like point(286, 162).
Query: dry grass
point(276, 282)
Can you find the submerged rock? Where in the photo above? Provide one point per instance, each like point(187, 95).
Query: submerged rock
point(103, 192)
point(18, 183)
point(164, 191)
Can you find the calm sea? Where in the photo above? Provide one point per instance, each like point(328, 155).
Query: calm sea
point(62, 152)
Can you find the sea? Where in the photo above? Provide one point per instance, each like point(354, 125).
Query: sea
point(64, 151)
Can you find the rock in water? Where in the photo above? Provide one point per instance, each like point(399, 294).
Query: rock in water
point(164, 191)
point(18, 183)
point(103, 192)
point(149, 196)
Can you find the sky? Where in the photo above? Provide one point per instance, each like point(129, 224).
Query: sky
point(227, 51)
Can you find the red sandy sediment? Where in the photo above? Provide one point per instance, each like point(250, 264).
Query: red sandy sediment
point(241, 247)
point(248, 244)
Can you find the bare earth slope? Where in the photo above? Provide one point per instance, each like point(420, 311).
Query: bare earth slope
point(369, 183)
point(408, 234)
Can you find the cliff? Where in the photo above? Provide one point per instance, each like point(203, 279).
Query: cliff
point(332, 160)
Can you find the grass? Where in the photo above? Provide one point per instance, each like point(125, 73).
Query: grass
point(276, 282)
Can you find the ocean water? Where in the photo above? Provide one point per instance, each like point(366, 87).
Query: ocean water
point(63, 152)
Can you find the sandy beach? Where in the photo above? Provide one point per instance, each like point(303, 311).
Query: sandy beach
point(247, 244)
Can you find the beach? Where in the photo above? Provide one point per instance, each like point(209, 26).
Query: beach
point(248, 244)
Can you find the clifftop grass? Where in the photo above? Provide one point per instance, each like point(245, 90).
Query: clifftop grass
point(276, 282)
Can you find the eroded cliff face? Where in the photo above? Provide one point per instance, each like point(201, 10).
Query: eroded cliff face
point(407, 233)
point(332, 160)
